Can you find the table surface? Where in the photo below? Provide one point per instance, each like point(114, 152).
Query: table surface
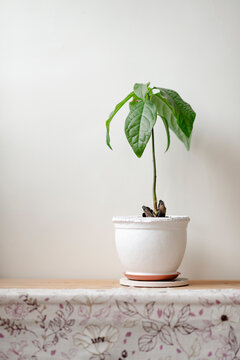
point(193, 322)
point(103, 284)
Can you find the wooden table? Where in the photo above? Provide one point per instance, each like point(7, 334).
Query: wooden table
point(103, 284)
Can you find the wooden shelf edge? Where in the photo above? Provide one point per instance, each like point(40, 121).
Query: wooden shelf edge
point(102, 284)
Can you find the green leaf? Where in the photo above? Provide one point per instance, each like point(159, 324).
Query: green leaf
point(139, 124)
point(167, 132)
point(183, 111)
point(134, 101)
point(118, 107)
point(141, 90)
point(132, 104)
point(167, 113)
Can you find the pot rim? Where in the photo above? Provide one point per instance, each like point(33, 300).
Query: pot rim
point(140, 219)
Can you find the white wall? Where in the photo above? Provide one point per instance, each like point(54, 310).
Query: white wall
point(64, 64)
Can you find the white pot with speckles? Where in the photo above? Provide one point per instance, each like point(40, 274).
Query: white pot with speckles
point(151, 248)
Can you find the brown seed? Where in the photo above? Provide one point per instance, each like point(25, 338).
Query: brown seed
point(148, 212)
point(161, 209)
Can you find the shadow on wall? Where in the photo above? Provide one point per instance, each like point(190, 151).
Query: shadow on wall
point(218, 193)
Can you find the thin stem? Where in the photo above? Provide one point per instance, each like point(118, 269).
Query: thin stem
point(154, 176)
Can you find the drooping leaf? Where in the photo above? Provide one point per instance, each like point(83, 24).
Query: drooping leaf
point(183, 112)
point(167, 132)
point(140, 90)
point(139, 124)
point(165, 111)
point(117, 108)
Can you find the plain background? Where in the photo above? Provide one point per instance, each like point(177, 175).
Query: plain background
point(64, 64)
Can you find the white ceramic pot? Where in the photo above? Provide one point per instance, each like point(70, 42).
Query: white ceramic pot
point(151, 248)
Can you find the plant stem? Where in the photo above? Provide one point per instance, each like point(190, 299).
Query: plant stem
point(154, 176)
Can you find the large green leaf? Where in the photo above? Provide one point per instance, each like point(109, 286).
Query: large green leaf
point(139, 124)
point(118, 107)
point(141, 90)
point(167, 113)
point(183, 112)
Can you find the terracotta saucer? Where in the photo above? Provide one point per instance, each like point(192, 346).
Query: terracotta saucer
point(144, 277)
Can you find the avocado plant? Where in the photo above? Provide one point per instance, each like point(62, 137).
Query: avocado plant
point(147, 103)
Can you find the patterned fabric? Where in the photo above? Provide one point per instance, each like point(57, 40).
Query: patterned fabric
point(118, 324)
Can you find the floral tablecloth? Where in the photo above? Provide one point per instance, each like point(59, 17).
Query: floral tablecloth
point(118, 324)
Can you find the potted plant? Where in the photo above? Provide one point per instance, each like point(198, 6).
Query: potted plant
point(151, 246)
